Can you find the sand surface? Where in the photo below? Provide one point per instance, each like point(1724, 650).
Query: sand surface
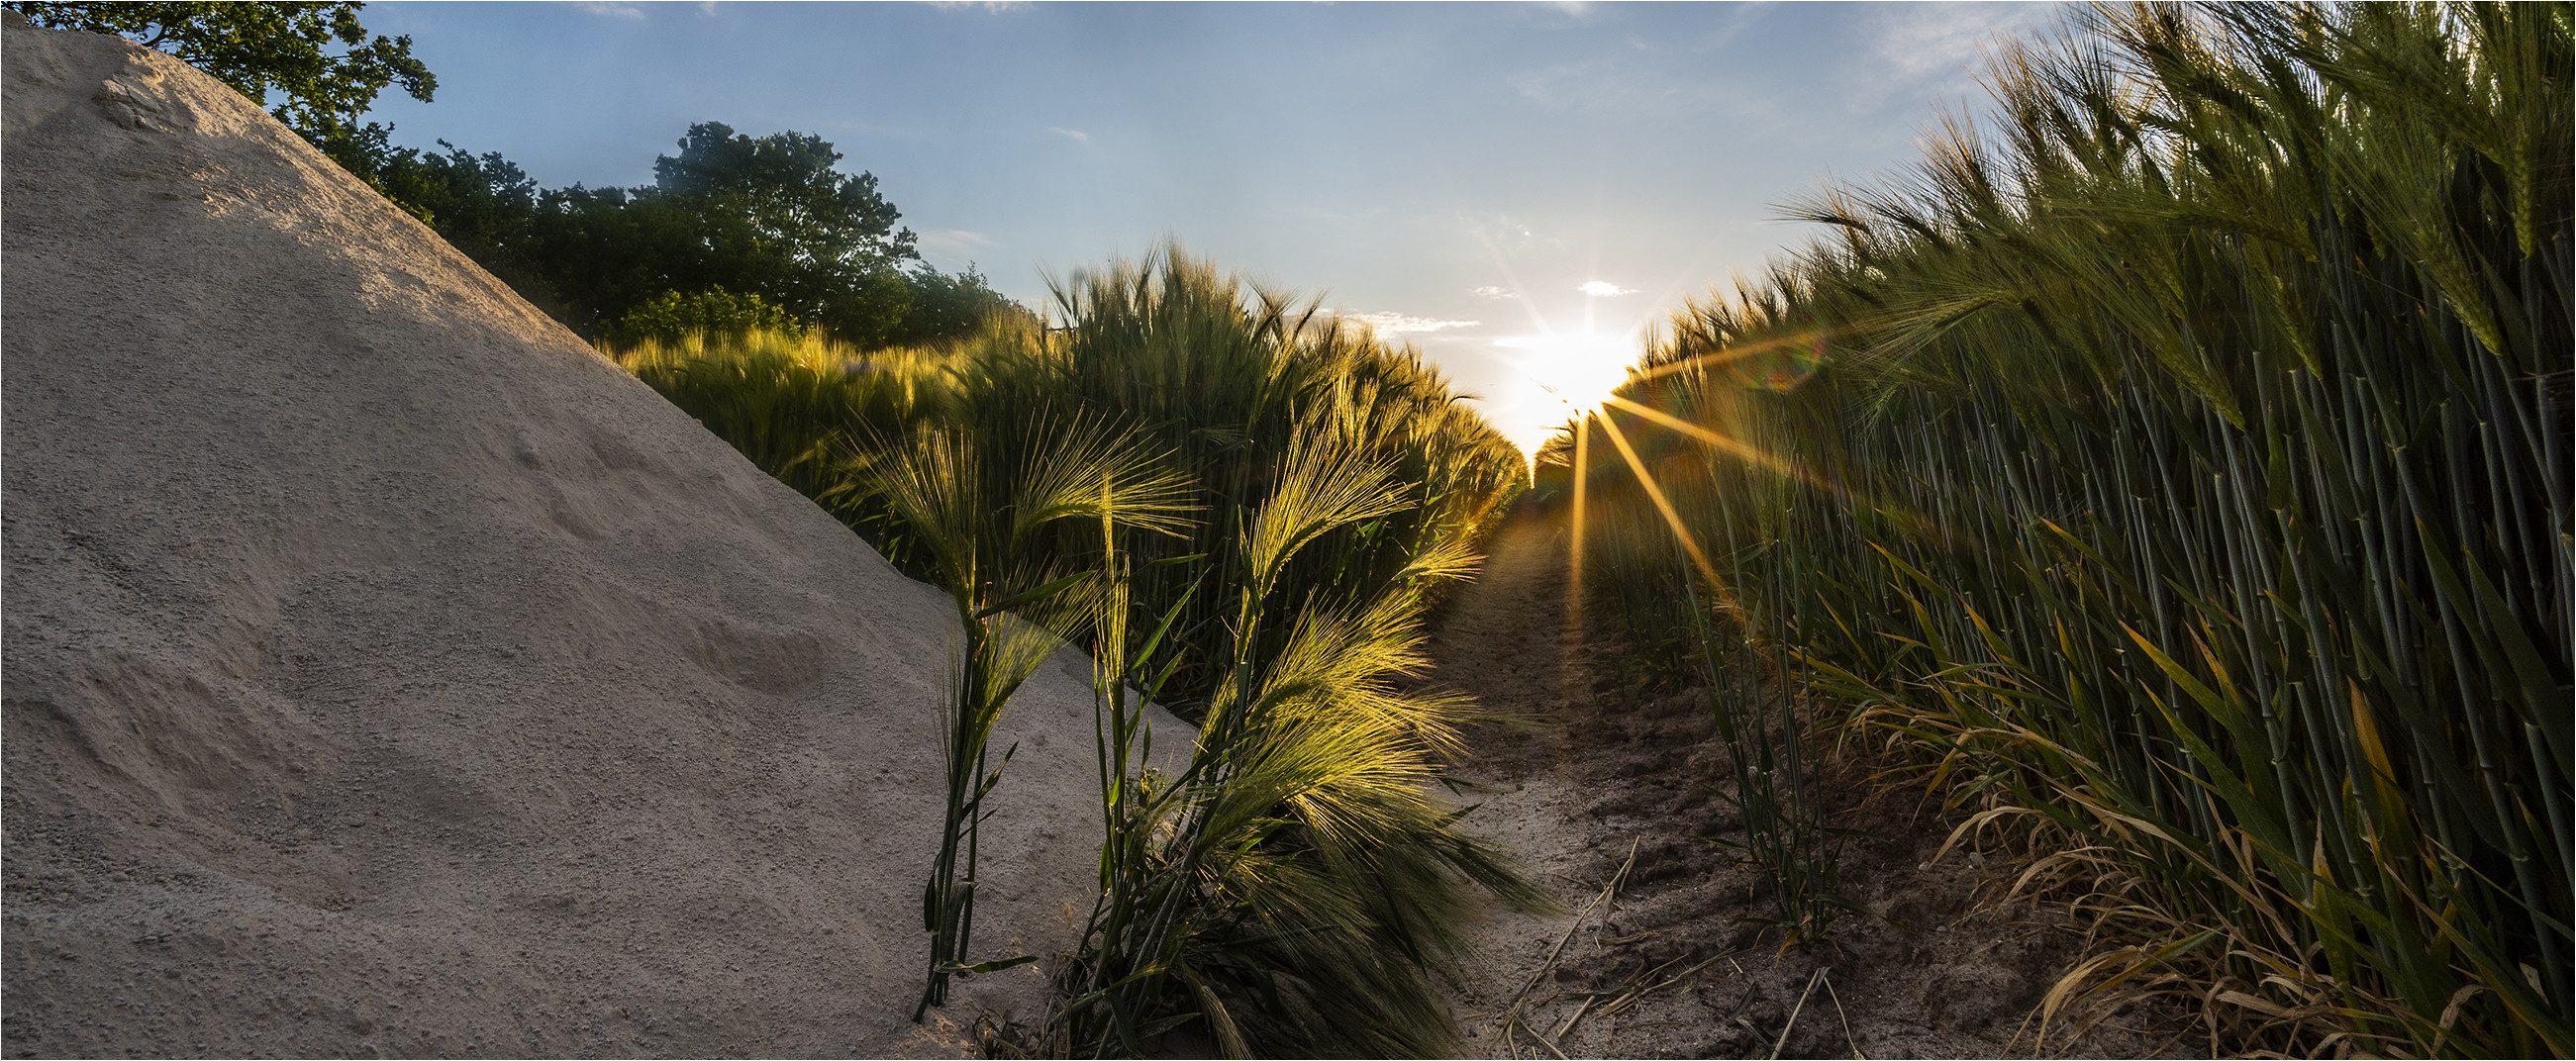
point(388, 674)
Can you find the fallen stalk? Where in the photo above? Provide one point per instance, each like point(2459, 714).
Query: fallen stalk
point(1511, 1009)
point(1801, 1007)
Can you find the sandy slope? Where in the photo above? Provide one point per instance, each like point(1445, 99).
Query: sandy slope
point(386, 673)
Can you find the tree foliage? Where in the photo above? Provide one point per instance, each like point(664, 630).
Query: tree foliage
point(313, 57)
point(784, 190)
point(768, 216)
point(713, 313)
point(947, 307)
point(772, 215)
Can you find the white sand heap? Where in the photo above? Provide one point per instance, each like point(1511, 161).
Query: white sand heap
point(387, 673)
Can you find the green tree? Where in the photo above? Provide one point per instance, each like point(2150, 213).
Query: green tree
point(760, 216)
point(870, 310)
point(772, 215)
point(314, 57)
point(485, 206)
point(606, 250)
point(765, 215)
point(947, 306)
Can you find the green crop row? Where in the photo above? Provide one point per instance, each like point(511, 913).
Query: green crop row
point(2180, 470)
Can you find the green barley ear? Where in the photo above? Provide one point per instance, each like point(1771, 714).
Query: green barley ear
point(2133, 472)
point(979, 516)
point(1323, 484)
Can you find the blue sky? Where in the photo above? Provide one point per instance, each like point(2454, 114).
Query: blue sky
point(1459, 173)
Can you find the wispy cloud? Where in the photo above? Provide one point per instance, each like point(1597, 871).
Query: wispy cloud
point(951, 242)
point(1943, 41)
point(1507, 236)
point(612, 10)
point(988, 5)
point(1075, 135)
point(1397, 323)
point(1668, 71)
point(1604, 289)
point(1491, 291)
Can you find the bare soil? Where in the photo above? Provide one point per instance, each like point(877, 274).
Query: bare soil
point(1673, 961)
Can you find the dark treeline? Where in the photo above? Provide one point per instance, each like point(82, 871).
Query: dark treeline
point(769, 220)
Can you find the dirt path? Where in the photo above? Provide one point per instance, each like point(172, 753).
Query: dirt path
point(1508, 640)
point(1617, 784)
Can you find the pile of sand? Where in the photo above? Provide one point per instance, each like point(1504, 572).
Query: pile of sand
point(387, 673)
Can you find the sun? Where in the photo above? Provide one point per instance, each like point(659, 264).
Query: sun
point(1556, 373)
point(1572, 372)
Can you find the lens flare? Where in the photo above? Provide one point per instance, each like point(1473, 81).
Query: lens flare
point(1573, 372)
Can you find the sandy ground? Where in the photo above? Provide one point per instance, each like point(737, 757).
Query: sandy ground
point(1667, 964)
point(388, 674)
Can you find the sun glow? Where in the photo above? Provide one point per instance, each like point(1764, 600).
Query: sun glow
point(1557, 371)
point(1572, 372)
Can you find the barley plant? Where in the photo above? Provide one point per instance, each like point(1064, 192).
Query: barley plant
point(978, 512)
point(1221, 373)
point(2181, 472)
point(1286, 496)
point(1298, 884)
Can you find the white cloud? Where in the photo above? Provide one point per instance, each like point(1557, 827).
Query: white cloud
point(1605, 289)
point(988, 5)
point(1491, 291)
point(1075, 135)
point(951, 242)
point(597, 7)
point(1943, 40)
point(1397, 323)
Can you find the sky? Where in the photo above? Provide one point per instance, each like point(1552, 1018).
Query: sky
point(1517, 190)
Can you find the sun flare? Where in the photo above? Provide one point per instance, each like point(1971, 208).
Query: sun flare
point(1573, 372)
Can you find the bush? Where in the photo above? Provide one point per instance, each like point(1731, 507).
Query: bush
point(714, 313)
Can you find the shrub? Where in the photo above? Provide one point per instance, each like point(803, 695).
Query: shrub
point(714, 313)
